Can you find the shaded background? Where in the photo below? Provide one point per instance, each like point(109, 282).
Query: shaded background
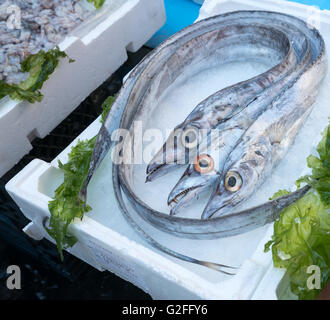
point(44, 276)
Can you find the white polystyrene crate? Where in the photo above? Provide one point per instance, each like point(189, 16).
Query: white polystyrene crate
point(99, 47)
point(107, 242)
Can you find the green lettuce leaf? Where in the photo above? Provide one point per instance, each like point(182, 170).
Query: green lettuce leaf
point(320, 177)
point(97, 3)
point(106, 106)
point(280, 193)
point(16, 93)
point(40, 66)
point(302, 234)
point(66, 205)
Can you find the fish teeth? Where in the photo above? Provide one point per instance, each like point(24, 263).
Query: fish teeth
point(182, 193)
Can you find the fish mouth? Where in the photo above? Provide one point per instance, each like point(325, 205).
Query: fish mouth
point(155, 170)
point(175, 201)
point(186, 191)
point(152, 170)
point(214, 206)
point(209, 212)
point(180, 196)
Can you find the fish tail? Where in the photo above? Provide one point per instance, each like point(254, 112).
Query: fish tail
point(211, 265)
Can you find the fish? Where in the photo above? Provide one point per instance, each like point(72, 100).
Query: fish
point(224, 104)
point(205, 170)
point(259, 151)
point(185, 52)
point(195, 179)
point(193, 182)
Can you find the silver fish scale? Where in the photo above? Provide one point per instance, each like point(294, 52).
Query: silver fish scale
point(309, 68)
point(217, 109)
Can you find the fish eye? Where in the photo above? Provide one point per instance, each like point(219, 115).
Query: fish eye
point(233, 181)
point(204, 163)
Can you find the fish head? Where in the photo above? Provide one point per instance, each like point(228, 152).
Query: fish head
point(238, 182)
point(179, 148)
point(196, 178)
point(181, 145)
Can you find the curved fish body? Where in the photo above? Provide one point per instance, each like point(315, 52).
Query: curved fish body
point(194, 181)
point(226, 103)
point(227, 134)
point(261, 148)
point(156, 72)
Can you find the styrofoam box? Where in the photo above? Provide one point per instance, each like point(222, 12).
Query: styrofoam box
point(107, 242)
point(99, 46)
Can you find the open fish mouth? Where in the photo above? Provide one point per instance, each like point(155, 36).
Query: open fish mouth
point(152, 171)
point(209, 212)
point(155, 170)
point(172, 201)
